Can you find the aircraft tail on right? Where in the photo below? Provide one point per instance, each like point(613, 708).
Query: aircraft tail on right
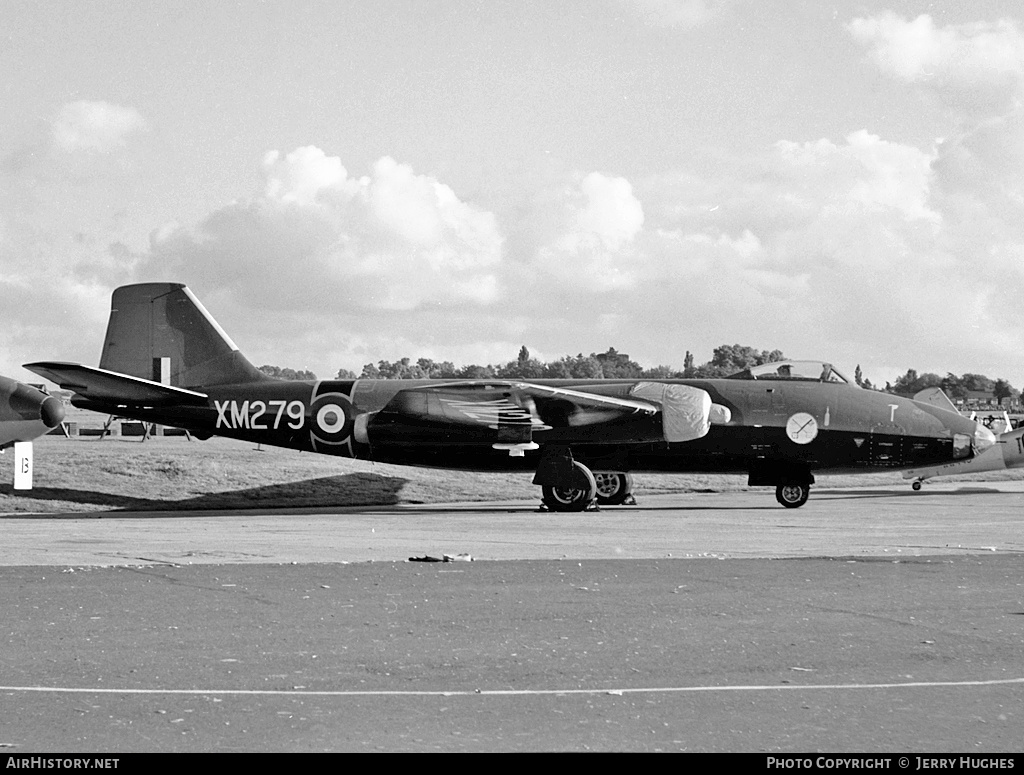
point(936, 397)
point(162, 332)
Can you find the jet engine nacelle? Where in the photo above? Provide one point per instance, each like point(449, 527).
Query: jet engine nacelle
point(687, 413)
point(25, 412)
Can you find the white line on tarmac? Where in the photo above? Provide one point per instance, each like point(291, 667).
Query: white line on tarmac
point(511, 692)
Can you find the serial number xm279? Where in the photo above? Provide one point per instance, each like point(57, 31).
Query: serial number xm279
point(166, 360)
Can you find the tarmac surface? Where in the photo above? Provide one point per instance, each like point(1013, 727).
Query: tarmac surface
point(870, 620)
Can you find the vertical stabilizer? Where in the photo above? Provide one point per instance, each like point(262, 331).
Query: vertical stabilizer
point(936, 397)
point(162, 332)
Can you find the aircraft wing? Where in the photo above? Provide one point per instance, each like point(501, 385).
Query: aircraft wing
point(512, 403)
point(528, 407)
point(110, 387)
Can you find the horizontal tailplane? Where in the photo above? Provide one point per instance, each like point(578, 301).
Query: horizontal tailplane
point(99, 386)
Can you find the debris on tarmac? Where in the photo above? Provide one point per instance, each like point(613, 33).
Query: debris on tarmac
point(444, 558)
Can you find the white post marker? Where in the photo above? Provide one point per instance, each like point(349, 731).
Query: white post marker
point(23, 465)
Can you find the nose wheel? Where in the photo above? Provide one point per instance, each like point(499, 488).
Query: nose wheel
point(792, 496)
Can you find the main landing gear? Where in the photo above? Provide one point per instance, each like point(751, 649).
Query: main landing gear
point(575, 493)
point(568, 485)
point(613, 488)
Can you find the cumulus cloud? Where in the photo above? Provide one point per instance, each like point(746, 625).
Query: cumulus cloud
point(975, 70)
point(393, 239)
point(60, 239)
point(854, 247)
point(866, 171)
point(854, 240)
point(918, 50)
point(580, 235)
point(45, 314)
point(94, 126)
point(977, 66)
point(985, 165)
point(302, 175)
point(857, 250)
point(394, 256)
point(812, 236)
point(885, 250)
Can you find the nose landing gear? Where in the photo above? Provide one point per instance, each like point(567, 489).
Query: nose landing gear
point(792, 496)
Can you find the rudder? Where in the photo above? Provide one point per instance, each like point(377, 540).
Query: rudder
point(162, 332)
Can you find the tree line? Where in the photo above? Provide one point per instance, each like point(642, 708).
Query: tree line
point(278, 373)
point(611, 364)
point(953, 386)
point(727, 359)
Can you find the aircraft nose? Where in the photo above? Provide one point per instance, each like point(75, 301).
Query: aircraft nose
point(983, 439)
point(51, 412)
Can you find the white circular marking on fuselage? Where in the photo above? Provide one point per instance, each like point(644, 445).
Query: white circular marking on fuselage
point(802, 428)
point(330, 418)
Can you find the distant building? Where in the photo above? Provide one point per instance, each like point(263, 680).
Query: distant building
point(977, 399)
point(981, 400)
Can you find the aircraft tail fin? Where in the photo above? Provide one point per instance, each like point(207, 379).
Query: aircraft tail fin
point(936, 397)
point(162, 332)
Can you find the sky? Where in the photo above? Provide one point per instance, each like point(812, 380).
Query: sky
point(342, 183)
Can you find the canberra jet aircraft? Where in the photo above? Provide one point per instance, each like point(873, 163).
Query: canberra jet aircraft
point(1006, 453)
point(166, 360)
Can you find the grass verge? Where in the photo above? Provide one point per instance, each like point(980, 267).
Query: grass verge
point(172, 473)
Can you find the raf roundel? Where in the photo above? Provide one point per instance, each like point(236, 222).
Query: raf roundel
point(332, 418)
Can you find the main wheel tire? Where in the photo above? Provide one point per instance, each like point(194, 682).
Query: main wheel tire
point(575, 497)
point(792, 496)
point(916, 486)
point(613, 488)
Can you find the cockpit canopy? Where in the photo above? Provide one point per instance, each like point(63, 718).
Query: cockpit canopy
point(807, 371)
